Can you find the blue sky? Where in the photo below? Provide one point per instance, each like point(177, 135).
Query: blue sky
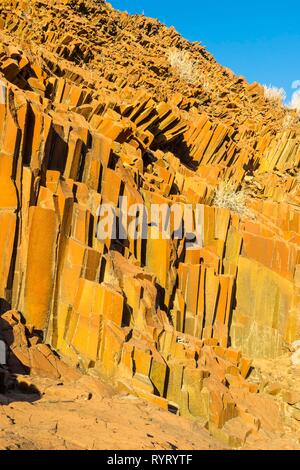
point(259, 40)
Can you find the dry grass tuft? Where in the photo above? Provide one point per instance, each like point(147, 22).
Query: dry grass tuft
point(185, 66)
point(228, 197)
point(295, 101)
point(273, 93)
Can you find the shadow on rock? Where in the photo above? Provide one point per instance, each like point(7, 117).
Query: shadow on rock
point(12, 389)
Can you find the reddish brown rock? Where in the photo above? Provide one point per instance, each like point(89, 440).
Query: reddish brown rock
point(83, 124)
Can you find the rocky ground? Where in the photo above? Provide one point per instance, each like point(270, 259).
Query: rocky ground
point(57, 407)
point(90, 415)
point(44, 413)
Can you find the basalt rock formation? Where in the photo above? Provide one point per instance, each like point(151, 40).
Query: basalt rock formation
point(90, 111)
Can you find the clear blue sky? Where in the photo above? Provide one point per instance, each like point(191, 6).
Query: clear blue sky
point(258, 39)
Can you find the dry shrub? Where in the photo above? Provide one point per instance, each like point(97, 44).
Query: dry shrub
point(274, 93)
point(295, 101)
point(228, 197)
point(185, 66)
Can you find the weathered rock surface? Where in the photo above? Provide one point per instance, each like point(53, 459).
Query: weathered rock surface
point(91, 110)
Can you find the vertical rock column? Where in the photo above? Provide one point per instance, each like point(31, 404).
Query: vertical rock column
point(39, 280)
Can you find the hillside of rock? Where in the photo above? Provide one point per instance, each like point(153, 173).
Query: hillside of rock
point(92, 110)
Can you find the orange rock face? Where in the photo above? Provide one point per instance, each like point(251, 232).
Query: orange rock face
point(94, 113)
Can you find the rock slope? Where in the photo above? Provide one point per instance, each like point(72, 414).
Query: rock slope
point(92, 110)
